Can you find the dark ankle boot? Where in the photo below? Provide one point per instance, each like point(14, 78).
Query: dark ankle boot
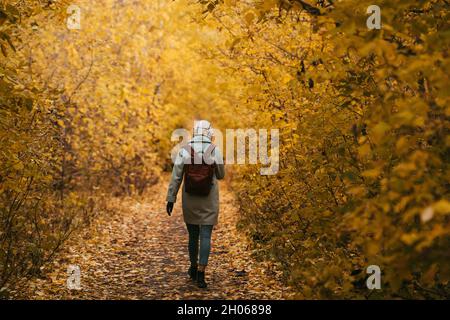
point(193, 272)
point(201, 279)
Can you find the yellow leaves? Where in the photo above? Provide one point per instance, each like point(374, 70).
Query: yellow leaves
point(268, 4)
point(287, 78)
point(442, 206)
point(429, 275)
point(419, 122)
point(404, 169)
point(371, 173)
point(307, 292)
point(233, 43)
point(230, 3)
point(373, 247)
point(358, 191)
point(401, 205)
point(428, 238)
point(128, 151)
point(364, 150)
point(410, 238)
point(249, 17)
point(402, 145)
point(420, 157)
point(379, 131)
point(3, 50)
point(156, 68)
point(403, 118)
point(18, 166)
point(410, 118)
point(447, 111)
point(391, 198)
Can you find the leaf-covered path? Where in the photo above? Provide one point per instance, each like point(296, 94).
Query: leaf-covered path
point(138, 252)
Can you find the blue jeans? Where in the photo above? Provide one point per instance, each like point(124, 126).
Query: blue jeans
point(202, 233)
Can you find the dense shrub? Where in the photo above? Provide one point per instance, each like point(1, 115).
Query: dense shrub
point(364, 150)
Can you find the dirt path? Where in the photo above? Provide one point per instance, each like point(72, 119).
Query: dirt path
point(141, 253)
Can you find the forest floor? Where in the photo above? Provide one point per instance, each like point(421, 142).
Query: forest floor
point(139, 252)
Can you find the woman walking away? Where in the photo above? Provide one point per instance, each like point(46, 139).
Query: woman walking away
point(200, 164)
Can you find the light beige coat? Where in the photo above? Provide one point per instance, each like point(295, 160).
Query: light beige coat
point(197, 209)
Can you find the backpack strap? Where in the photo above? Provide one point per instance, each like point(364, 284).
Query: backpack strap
point(207, 155)
point(195, 159)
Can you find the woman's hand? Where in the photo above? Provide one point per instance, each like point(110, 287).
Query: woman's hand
point(169, 208)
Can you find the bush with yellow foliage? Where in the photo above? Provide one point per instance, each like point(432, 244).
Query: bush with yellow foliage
point(363, 116)
point(365, 146)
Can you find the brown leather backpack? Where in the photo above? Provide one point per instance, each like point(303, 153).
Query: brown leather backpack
point(198, 175)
